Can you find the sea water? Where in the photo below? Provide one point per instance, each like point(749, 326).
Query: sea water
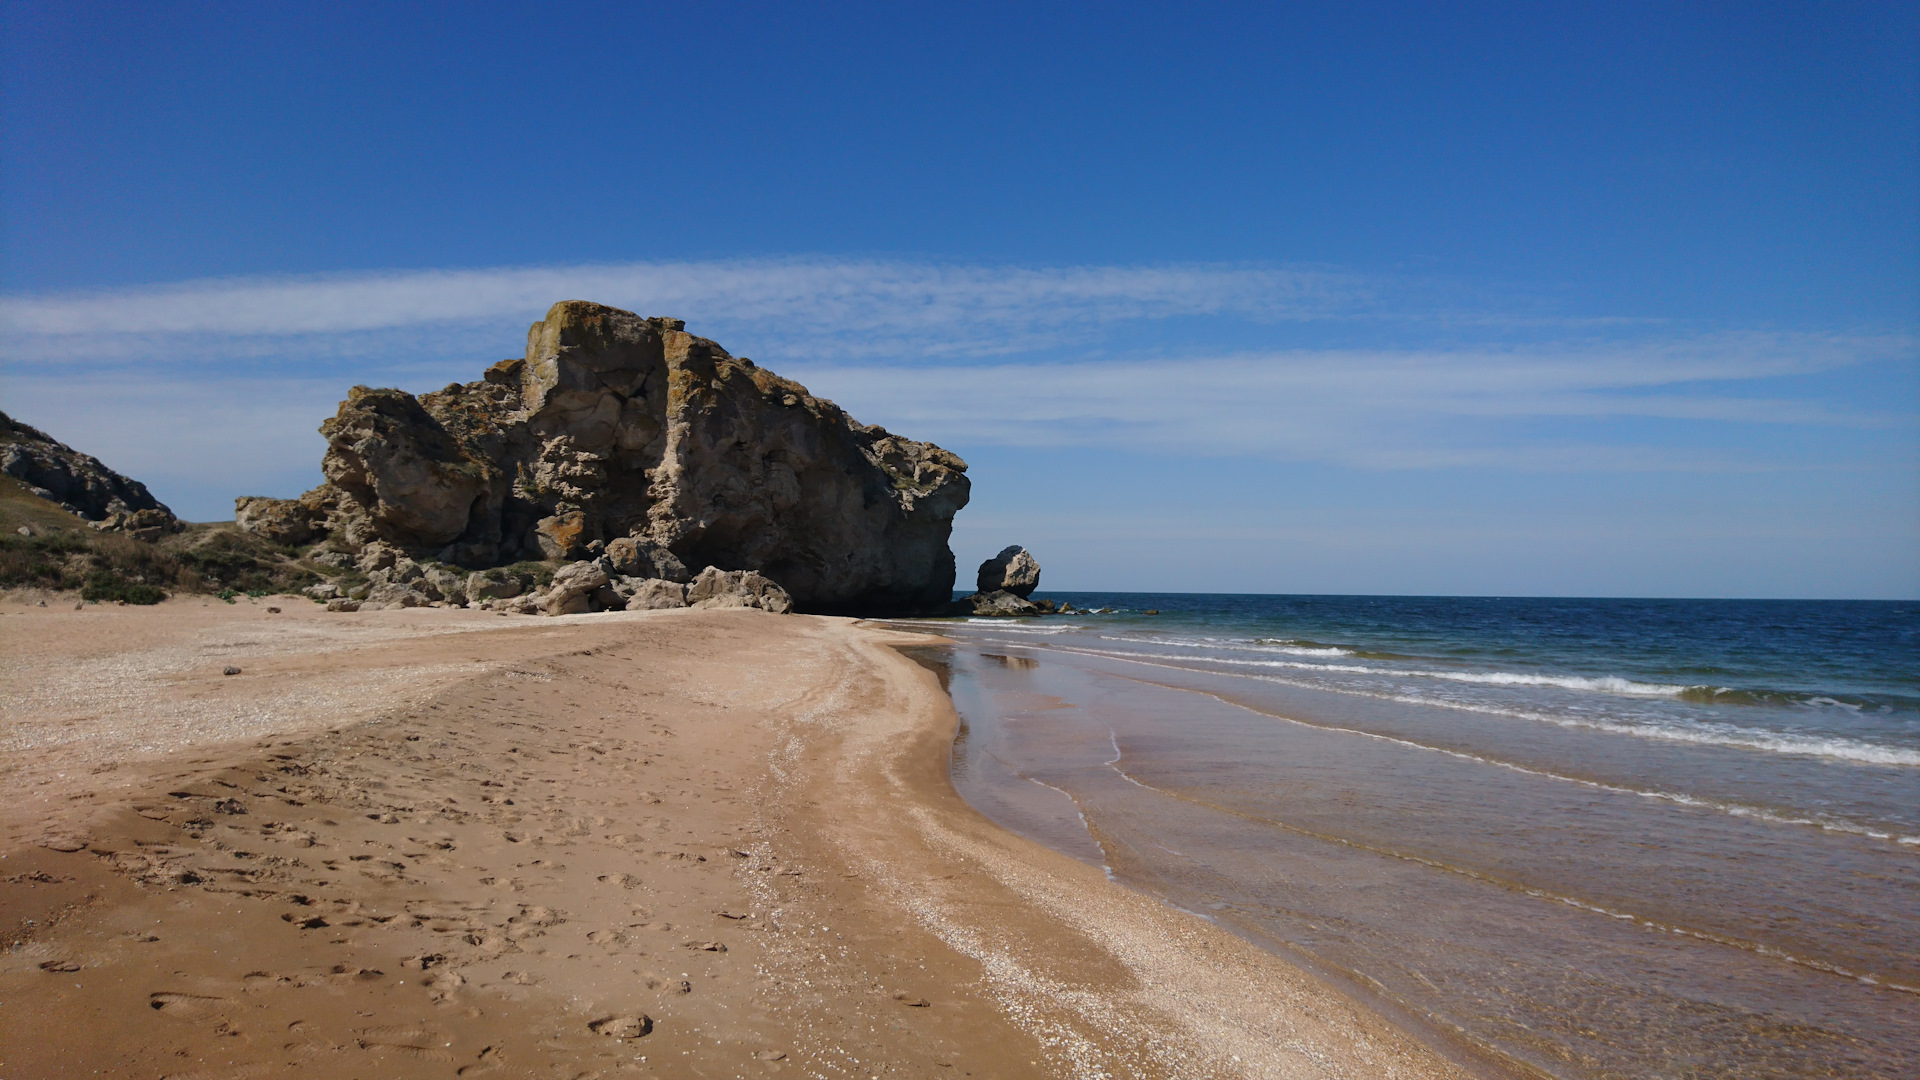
point(1578, 838)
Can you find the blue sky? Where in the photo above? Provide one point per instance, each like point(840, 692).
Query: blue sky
point(1605, 299)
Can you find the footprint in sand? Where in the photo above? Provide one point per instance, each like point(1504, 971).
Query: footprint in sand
point(230, 1072)
point(185, 1006)
point(491, 1060)
point(622, 1027)
point(398, 1034)
point(423, 1053)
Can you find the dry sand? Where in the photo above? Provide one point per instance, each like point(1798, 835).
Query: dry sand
point(437, 843)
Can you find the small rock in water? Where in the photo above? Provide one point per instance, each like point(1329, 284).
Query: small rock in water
point(911, 1001)
point(1151, 611)
point(231, 670)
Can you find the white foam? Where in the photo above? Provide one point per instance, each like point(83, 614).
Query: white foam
point(1605, 684)
point(1701, 732)
point(1245, 646)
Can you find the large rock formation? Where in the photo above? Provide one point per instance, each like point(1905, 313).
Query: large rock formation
point(1014, 570)
point(632, 437)
point(1005, 582)
point(80, 483)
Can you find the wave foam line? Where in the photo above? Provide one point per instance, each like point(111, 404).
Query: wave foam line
point(1733, 809)
point(1707, 734)
point(1606, 684)
point(1263, 646)
point(1756, 947)
point(1828, 824)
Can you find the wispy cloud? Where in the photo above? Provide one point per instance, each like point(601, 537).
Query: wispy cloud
point(807, 306)
point(215, 387)
point(1373, 408)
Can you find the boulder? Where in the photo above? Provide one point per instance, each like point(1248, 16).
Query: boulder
point(650, 594)
point(378, 555)
point(482, 587)
point(1013, 570)
point(638, 557)
point(81, 484)
point(717, 588)
point(444, 584)
point(325, 590)
point(572, 589)
point(396, 594)
point(341, 603)
point(278, 521)
point(612, 428)
point(999, 602)
point(519, 605)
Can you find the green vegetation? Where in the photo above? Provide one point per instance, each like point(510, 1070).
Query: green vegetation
point(59, 551)
point(540, 574)
point(106, 585)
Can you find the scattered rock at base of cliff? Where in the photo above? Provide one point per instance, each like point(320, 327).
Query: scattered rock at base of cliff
point(717, 588)
point(574, 588)
point(81, 484)
point(615, 428)
point(1014, 570)
point(650, 594)
point(998, 602)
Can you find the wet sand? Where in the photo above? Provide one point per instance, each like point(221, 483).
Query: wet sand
point(436, 843)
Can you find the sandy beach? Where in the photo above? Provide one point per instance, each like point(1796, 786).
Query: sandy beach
point(683, 843)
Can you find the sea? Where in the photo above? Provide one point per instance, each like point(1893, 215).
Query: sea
point(1552, 837)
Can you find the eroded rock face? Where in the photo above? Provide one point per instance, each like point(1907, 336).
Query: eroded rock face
point(81, 484)
point(651, 444)
point(1014, 570)
point(281, 521)
point(633, 437)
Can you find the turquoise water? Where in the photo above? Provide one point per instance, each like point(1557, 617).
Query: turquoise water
point(1578, 838)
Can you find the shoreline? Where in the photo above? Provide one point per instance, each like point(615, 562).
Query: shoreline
point(536, 832)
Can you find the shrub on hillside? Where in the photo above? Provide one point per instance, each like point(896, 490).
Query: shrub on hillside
point(105, 585)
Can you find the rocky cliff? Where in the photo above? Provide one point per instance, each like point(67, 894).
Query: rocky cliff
point(81, 484)
point(614, 426)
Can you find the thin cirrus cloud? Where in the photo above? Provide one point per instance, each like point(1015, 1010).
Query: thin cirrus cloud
point(1375, 408)
point(171, 379)
point(806, 306)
